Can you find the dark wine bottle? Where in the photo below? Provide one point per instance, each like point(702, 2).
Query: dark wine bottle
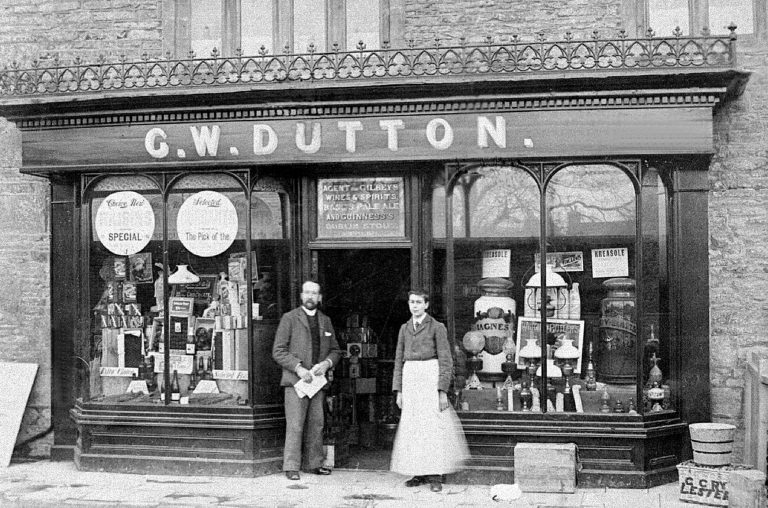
point(200, 368)
point(175, 390)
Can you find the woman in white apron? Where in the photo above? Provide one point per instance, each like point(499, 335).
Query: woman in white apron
point(430, 440)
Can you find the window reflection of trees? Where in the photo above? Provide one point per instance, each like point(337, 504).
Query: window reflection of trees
point(502, 202)
point(595, 199)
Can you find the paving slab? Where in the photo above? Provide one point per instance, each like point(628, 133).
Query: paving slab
point(47, 484)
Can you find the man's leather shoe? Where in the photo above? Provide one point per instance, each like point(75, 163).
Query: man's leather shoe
point(322, 471)
point(292, 475)
point(435, 486)
point(415, 481)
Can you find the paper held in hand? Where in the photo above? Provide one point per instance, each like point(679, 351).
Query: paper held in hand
point(304, 389)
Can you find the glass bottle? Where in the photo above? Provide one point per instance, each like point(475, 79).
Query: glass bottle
point(574, 302)
point(175, 389)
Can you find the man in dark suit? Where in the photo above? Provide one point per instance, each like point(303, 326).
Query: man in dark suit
point(305, 346)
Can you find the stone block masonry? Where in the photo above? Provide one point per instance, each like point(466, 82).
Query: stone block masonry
point(25, 334)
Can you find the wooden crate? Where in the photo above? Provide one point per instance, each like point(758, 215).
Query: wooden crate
point(705, 484)
point(545, 467)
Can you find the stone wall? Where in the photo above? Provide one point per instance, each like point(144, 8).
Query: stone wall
point(25, 334)
point(738, 239)
point(426, 20)
point(85, 28)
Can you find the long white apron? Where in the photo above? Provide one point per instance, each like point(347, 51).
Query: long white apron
point(428, 441)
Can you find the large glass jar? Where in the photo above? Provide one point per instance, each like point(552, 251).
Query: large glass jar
point(618, 333)
point(495, 313)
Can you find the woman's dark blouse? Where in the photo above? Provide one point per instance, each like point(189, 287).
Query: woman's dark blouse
point(430, 341)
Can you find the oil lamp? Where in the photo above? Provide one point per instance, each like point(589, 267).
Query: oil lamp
point(555, 299)
point(508, 367)
point(656, 396)
point(567, 354)
point(474, 342)
point(531, 355)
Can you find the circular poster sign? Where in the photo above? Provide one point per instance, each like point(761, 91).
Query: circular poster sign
point(125, 222)
point(207, 223)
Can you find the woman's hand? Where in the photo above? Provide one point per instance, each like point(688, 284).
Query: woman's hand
point(399, 400)
point(443, 400)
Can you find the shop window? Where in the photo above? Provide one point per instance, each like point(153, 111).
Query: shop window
point(274, 24)
point(599, 345)
point(125, 246)
point(185, 299)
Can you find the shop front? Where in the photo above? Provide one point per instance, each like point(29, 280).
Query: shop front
point(558, 220)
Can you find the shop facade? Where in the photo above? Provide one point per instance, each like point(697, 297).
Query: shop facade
point(191, 198)
point(185, 223)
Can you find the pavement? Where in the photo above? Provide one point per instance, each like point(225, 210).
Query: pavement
point(46, 484)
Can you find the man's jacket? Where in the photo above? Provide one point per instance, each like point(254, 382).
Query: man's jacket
point(293, 344)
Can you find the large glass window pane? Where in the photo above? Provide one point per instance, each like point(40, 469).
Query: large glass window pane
point(665, 15)
point(495, 226)
point(125, 243)
point(724, 12)
point(270, 241)
point(591, 303)
point(309, 25)
point(206, 27)
point(208, 306)
point(655, 330)
point(256, 26)
point(363, 24)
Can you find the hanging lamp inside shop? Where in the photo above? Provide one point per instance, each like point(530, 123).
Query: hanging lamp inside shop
point(183, 275)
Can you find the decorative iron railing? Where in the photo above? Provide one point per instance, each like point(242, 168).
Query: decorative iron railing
point(513, 57)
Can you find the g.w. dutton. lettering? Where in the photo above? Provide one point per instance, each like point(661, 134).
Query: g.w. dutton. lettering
point(350, 136)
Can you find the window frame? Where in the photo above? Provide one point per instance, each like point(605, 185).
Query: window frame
point(178, 21)
point(638, 16)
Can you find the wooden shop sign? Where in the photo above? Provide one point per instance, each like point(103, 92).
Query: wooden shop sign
point(450, 136)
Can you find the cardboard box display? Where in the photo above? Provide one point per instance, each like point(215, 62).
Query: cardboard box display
point(545, 467)
point(705, 484)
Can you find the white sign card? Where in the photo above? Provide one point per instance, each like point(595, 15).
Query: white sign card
point(138, 386)
point(206, 386)
point(182, 363)
point(563, 261)
point(18, 378)
point(610, 262)
point(125, 222)
point(496, 263)
point(207, 223)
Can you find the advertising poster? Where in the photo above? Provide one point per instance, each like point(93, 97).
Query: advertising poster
point(124, 222)
point(207, 223)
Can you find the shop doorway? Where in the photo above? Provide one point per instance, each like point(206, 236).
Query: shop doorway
point(365, 292)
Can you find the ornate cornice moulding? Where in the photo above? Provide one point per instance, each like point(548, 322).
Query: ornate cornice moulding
point(528, 102)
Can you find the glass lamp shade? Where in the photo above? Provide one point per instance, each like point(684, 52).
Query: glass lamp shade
point(473, 341)
point(554, 280)
point(567, 351)
point(530, 351)
point(182, 275)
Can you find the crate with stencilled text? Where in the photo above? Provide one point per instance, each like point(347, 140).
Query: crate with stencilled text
point(545, 467)
point(705, 484)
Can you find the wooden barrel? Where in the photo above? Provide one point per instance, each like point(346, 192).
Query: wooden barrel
point(712, 443)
